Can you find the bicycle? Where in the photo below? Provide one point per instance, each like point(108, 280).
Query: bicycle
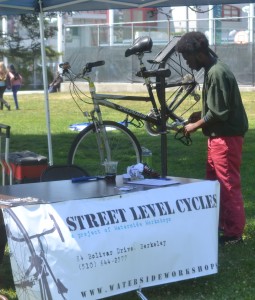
point(109, 140)
point(31, 271)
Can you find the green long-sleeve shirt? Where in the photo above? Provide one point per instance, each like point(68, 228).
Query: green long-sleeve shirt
point(223, 110)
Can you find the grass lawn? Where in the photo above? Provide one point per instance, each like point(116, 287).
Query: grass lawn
point(235, 279)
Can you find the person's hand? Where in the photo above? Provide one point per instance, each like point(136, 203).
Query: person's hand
point(189, 128)
point(195, 116)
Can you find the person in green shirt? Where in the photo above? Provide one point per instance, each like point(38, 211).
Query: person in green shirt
point(224, 121)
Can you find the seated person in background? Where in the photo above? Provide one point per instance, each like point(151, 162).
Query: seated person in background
point(55, 85)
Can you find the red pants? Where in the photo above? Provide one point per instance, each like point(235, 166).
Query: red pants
point(223, 164)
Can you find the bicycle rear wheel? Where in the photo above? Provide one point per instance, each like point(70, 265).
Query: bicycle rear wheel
point(124, 148)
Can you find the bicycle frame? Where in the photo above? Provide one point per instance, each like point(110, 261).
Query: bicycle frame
point(155, 119)
point(159, 121)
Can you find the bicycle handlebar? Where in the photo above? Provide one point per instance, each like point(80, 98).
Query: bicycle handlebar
point(91, 65)
point(88, 67)
point(57, 227)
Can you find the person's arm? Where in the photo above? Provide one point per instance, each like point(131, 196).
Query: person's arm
point(192, 127)
point(217, 96)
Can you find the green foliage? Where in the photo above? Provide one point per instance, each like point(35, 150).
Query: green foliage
point(23, 47)
point(25, 43)
point(235, 279)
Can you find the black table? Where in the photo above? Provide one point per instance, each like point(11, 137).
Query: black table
point(92, 231)
point(64, 190)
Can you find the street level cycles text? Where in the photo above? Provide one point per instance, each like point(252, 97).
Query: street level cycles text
point(140, 212)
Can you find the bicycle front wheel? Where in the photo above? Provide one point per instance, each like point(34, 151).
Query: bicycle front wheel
point(124, 147)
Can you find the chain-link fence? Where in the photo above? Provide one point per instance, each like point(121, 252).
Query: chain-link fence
point(118, 68)
point(102, 42)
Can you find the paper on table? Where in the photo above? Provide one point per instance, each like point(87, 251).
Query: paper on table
point(155, 182)
point(18, 201)
point(125, 188)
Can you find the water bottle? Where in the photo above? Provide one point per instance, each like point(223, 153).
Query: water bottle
point(147, 156)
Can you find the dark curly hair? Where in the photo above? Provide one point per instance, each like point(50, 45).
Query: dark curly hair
point(191, 42)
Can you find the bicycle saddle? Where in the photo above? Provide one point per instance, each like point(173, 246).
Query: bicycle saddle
point(140, 45)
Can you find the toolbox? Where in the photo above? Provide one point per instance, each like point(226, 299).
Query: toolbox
point(26, 166)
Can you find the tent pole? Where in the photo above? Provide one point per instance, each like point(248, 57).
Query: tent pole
point(5, 33)
point(60, 38)
point(45, 84)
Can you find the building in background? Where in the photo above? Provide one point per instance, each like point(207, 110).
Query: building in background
point(82, 34)
point(222, 24)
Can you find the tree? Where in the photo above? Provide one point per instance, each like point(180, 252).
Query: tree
point(22, 46)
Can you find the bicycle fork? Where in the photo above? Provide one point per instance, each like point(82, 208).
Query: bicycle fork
point(102, 141)
point(100, 130)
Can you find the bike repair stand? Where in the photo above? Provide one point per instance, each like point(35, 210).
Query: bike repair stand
point(161, 85)
point(162, 99)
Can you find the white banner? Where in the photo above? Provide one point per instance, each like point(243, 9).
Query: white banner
point(96, 248)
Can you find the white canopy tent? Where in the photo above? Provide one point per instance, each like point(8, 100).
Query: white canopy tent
point(17, 7)
point(30, 6)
